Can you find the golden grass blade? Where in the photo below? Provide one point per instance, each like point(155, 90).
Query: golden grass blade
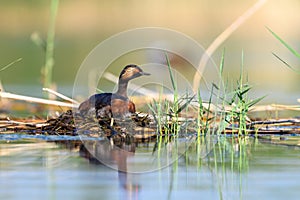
point(222, 37)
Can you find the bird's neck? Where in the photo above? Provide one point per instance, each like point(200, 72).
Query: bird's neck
point(122, 88)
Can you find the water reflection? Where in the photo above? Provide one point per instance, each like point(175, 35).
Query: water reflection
point(38, 169)
point(223, 161)
point(109, 154)
point(130, 165)
point(205, 154)
point(106, 153)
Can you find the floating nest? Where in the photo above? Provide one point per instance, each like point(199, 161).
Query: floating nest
point(139, 126)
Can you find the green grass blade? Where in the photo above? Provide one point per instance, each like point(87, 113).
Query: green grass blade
point(284, 43)
point(10, 64)
point(245, 90)
point(215, 86)
point(222, 62)
point(199, 99)
point(185, 105)
point(170, 72)
point(242, 71)
point(289, 66)
point(152, 109)
point(255, 101)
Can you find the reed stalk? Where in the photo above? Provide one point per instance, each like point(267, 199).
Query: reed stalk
point(49, 56)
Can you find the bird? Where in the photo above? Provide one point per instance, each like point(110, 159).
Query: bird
point(118, 103)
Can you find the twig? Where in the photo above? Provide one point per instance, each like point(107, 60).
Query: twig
point(282, 121)
point(37, 100)
point(60, 95)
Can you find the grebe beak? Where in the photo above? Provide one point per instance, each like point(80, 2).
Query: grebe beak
point(144, 74)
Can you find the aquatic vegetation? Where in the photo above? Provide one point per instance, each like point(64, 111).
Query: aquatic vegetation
point(185, 131)
point(224, 110)
point(48, 46)
point(240, 104)
point(167, 113)
point(292, 50)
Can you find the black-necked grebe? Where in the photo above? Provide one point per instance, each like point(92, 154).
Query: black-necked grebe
point(115, 103)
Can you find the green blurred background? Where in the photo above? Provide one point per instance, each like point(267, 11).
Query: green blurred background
point(81, 25)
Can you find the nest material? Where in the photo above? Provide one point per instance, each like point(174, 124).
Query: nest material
point(120, 128)
point(140, 126)
point(70, 123)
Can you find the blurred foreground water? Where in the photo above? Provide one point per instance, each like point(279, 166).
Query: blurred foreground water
point(50, 167)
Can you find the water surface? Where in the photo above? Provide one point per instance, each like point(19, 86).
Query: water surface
point(39, 168)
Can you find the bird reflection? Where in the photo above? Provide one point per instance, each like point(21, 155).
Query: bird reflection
point(114, 156)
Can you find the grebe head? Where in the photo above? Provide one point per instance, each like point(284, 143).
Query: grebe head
point(132, 71)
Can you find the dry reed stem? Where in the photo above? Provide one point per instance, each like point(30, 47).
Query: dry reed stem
point(37, 100)
point(274, 107)
point(60, 95)
point(221, 38)
point(35, 123)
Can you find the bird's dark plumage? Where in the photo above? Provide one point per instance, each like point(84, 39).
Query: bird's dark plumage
point(115, 103)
